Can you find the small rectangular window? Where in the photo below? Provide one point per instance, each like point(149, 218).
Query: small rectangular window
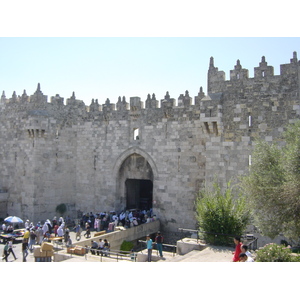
point(136, 134)
point(206, 127)
point(215, 128)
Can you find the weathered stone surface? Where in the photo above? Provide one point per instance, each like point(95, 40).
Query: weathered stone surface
point(53, 153)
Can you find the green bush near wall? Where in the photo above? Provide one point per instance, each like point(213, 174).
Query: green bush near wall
point(126, 246)
point(61, 208)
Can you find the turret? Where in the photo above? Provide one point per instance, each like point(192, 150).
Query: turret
point(215, 78)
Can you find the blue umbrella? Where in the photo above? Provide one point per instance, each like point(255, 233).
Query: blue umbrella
point(13, 219)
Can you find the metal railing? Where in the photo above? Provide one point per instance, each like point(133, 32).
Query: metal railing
point(174, 247)
point(252, 245)
point(189, 230)
point(112, 254)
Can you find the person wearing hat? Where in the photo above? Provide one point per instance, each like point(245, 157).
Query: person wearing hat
point(27, 223)
point(158, 242)
point(149, 247)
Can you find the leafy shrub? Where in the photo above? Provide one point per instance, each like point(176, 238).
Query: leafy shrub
point(220, 215)
point(126, 246)
point(275, 253)
point(61, 208)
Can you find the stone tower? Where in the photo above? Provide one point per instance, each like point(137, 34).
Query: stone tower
point(139, 153)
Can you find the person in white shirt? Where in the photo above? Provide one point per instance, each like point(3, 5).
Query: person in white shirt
point(244, 249)
point(60, 231)
point(244, 258)
point(100, 247)
point(10, 248)
point(27, 223)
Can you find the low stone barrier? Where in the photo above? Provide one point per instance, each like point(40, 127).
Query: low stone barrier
point(187, 245)
point(116, 238)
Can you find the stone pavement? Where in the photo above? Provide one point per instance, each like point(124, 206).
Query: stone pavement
point(209, 254)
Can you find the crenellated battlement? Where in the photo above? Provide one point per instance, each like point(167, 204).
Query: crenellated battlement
point(264, 80)
point(106, 156)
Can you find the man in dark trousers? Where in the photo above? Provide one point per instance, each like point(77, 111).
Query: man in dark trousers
point(159, 241)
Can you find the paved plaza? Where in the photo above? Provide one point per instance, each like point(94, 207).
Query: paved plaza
point(209, 254)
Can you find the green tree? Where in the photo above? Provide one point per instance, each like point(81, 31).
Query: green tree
point(61, 208)
point(272, 186)
point(222, 213)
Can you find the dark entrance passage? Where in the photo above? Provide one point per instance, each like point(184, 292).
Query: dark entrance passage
point(138, 193)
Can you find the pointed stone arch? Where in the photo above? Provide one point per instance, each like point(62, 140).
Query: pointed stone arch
point(134, 173)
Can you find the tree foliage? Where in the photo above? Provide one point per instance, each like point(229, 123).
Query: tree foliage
point(272, 186)
point(275, 253)
point(220, 214)
point(61, 208)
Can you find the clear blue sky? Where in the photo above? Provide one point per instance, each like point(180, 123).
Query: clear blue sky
point(131, 48)
point(102, 67)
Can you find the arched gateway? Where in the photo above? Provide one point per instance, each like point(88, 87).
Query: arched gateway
point(135, 172)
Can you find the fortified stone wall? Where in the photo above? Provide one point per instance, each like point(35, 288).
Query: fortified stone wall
point(53, 153)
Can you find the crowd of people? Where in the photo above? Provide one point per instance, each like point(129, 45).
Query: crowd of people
point(241, 253)
point(36, 234)
point(109, 220)
point(100, 248)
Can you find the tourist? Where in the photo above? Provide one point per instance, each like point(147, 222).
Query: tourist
point(149, 247)
point(4, 227)
point(122, 218)
point(26, 235)
point(244, 258)
point(236, 253)
point(26, 223)
point(66, 234)
point(49, 226)
point(60, 221)
point(244, 249)
point(24, 250)
point(69, 242)
point(55, 227)
point(54, 223)
point(78, 232)
point(10, 248)
point(97, 224)
point(45, 228)
point(158, 241)
point(134, 221)
point(46, 237)
point(115, 219)
point(60, 231)
point(9, 229)
point(106, 247)
point(39, 235)
point(87, 230)
point(94, 245)
point(32, 239)
point(100, 247)
point(5, 251)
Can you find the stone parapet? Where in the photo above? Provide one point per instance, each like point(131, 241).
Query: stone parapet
point(116, 238)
